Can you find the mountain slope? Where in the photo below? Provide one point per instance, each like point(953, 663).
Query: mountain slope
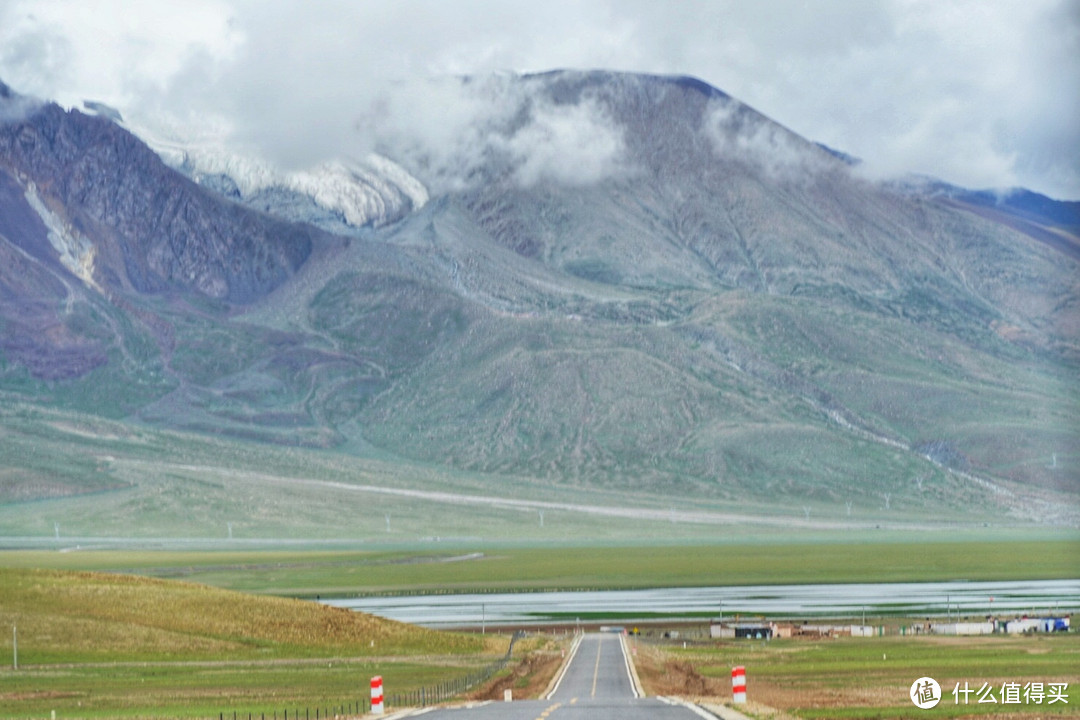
point(642, 285)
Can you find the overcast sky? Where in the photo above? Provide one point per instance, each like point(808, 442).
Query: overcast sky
point(979, 93)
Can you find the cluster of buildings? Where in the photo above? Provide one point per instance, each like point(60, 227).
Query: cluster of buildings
point(769, 630)
point(995, 625)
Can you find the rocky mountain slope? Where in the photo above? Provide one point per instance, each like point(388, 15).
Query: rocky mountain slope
point(146, 230)
point(631, 282)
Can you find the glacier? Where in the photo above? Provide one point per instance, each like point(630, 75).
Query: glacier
point(343, 195)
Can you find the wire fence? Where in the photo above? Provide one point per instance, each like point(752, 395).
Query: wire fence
point(416, 697)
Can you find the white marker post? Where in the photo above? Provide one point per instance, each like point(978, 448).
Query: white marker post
point(738, 684)
point(376, 695)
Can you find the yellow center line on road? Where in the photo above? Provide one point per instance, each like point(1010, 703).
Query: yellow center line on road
point(596, 670)
point(543, 715)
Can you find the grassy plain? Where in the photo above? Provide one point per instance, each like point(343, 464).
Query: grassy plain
point(870, 677)
point(102, 645)
point(206, 689)
point(488, 567)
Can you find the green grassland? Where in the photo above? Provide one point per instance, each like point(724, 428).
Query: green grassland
point(486, 567)
point(206, 689)
point(102, 645)
point(870, 677)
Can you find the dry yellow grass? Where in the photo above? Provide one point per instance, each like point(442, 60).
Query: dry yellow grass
point(80, 616)
point(94, 645)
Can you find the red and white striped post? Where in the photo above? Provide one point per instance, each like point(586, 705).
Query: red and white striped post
point(376, 695)
point(738, 683)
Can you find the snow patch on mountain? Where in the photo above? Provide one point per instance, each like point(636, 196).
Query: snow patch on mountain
point(341, 195)
point(75, 251)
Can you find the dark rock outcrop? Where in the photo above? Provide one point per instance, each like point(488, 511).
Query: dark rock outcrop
point(152, 229)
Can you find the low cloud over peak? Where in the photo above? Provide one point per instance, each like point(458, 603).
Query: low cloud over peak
point(738, 133)
point(452, 132)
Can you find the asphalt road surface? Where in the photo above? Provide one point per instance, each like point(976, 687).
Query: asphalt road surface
point(595, 686)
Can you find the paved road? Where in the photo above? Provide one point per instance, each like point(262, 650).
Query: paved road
point(596, 686)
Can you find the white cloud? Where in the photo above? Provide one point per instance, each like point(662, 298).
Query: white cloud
point(974, 92)
point(16, 107)
point(444, 129)
point(738, 133)
point(980, 94)
point(571, 144)
point(110, 50)
point(448, 129)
